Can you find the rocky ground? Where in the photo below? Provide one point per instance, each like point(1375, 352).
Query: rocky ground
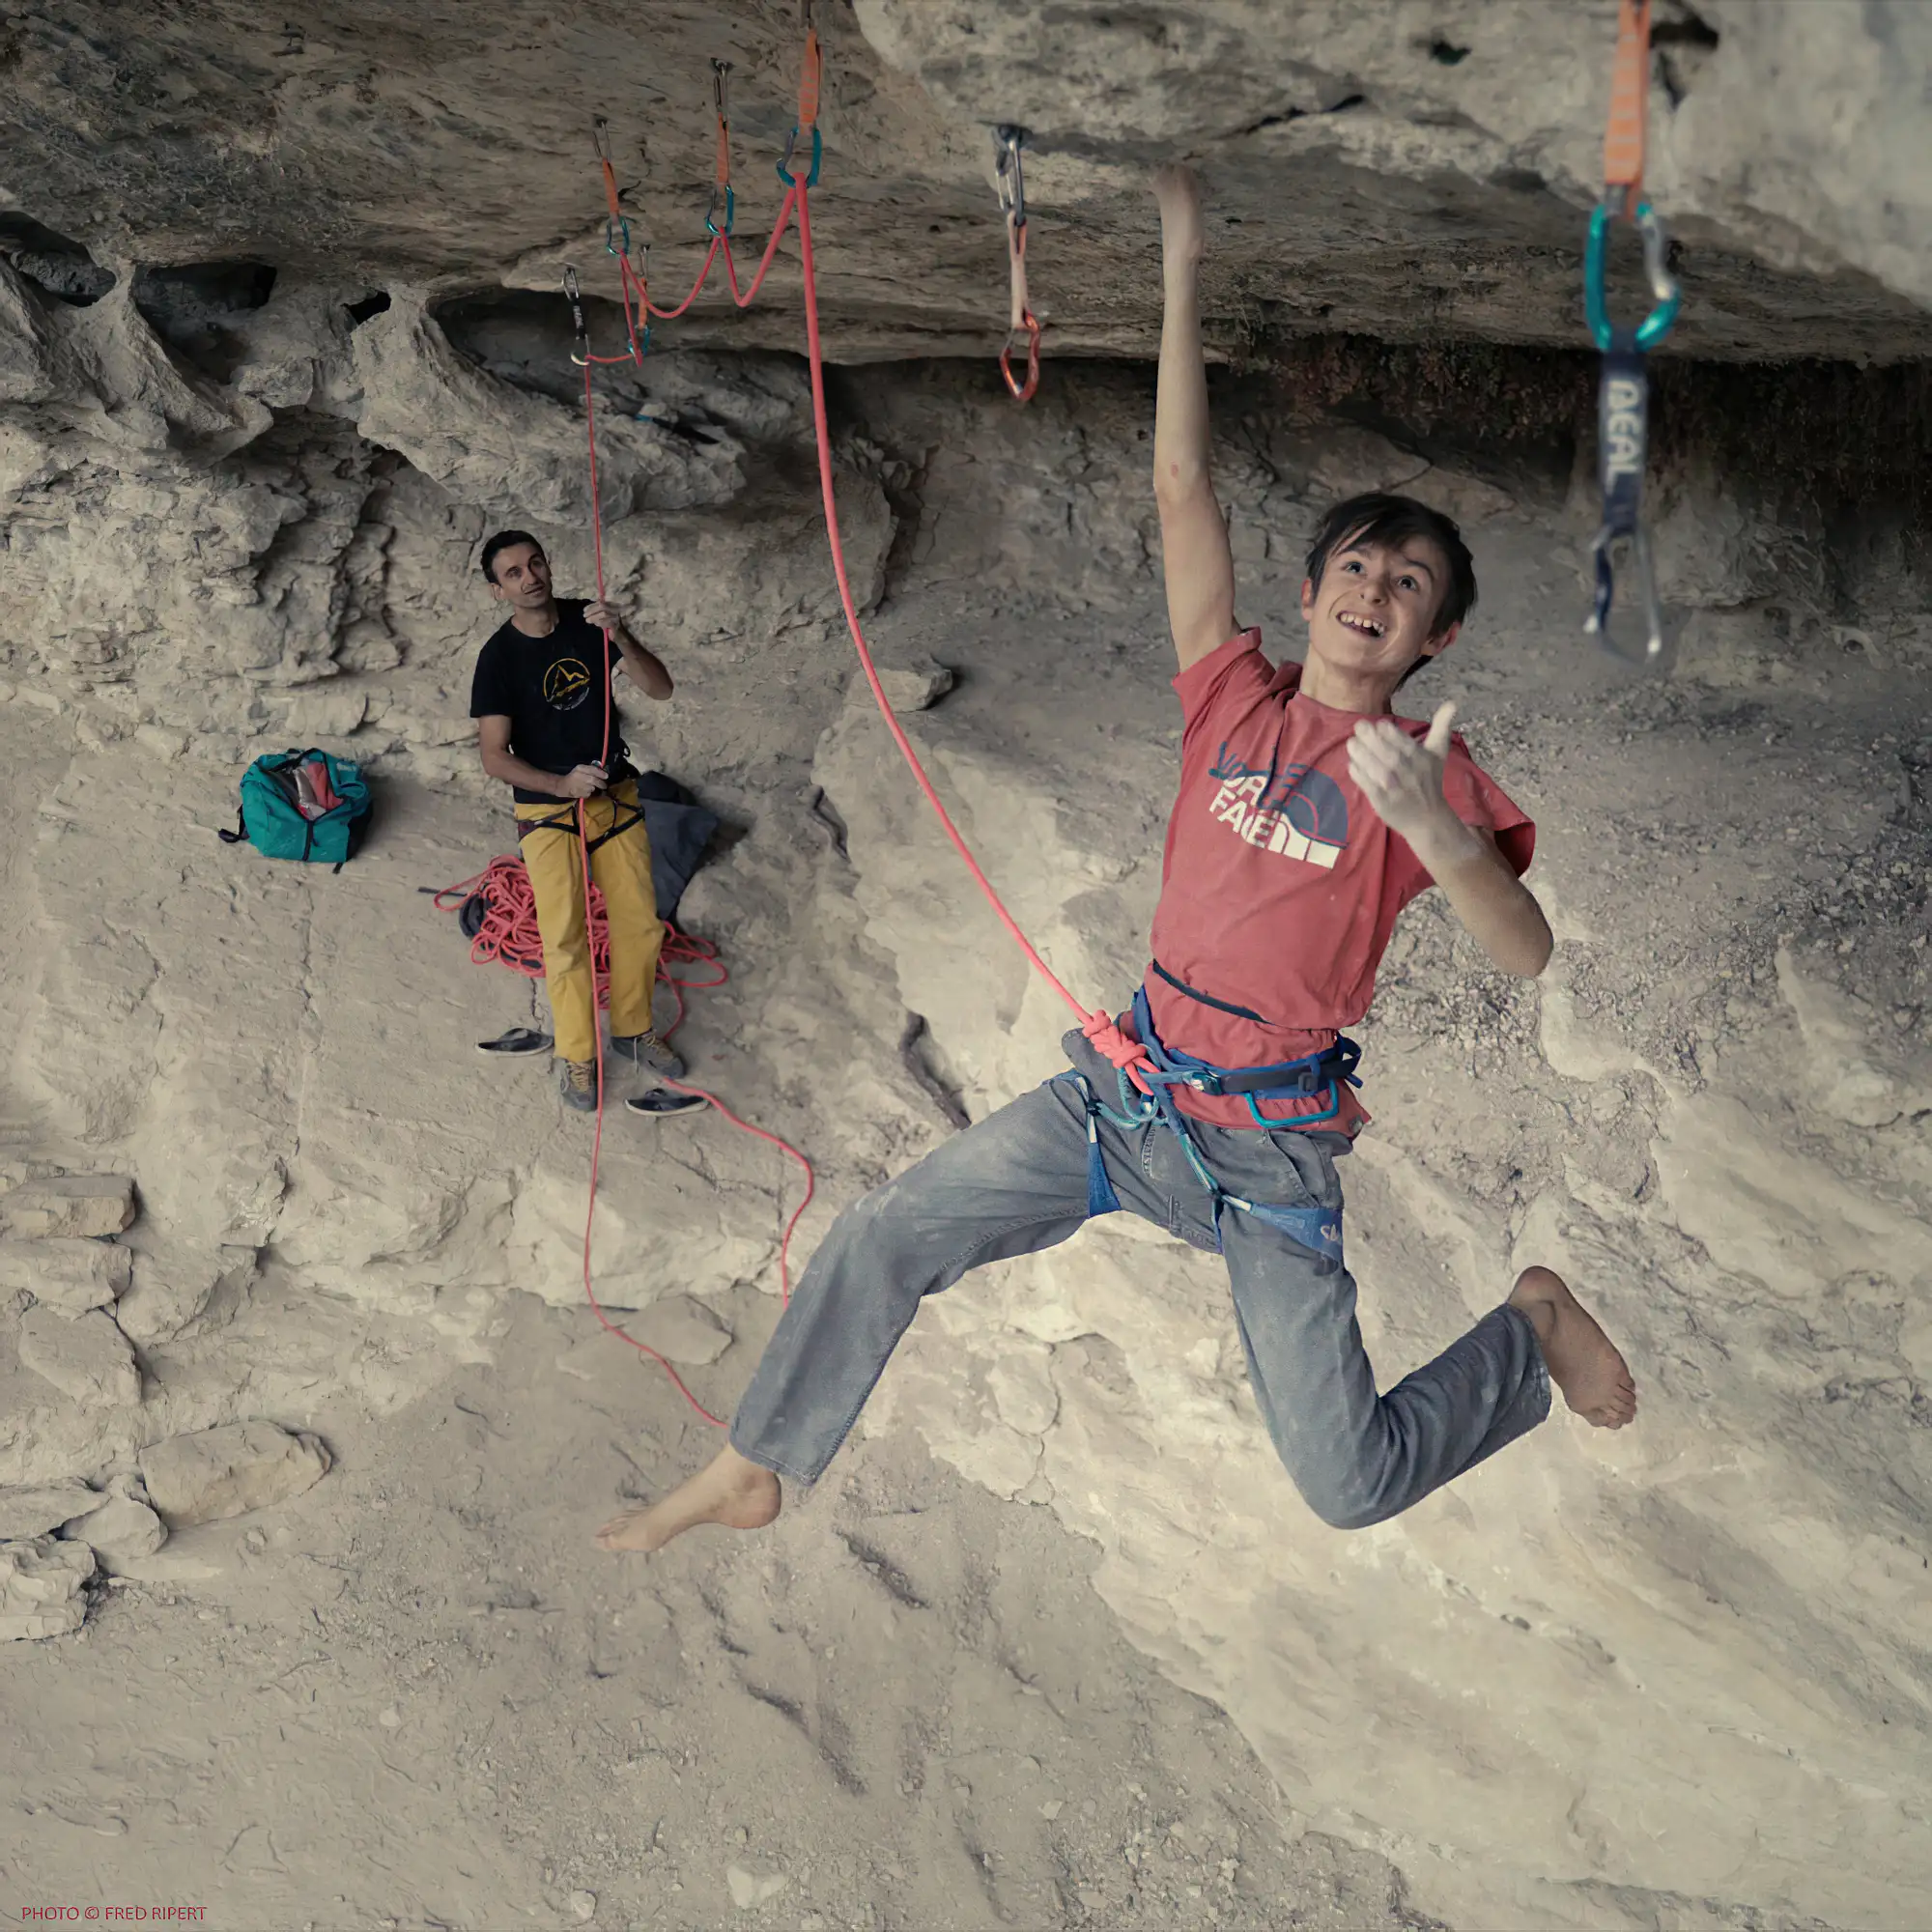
point(417, 1697)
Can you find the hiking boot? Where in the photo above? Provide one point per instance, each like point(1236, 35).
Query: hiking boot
point(662, 1102)
point(577, 1082)
point(647, 1051)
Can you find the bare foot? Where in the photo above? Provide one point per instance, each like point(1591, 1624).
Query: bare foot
point(1583, 1361)
point(730, 1490)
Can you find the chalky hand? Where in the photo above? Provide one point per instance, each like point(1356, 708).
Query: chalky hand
point(1402, 779)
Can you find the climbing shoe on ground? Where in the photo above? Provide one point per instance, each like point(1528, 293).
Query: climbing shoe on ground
point(577, 1082)
point(648, 1051)
point(661, 1101)
point(518, 1040)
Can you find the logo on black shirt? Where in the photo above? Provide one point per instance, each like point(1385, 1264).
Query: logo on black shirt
point(566, 683)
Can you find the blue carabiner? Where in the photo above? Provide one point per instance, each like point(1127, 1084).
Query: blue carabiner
point(1655, 326)
point(818, 155)
point(611, 229)
point(711, 214)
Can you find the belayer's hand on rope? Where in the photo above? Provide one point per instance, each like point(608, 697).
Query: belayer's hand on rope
point(1623, 395)
point(582, 782)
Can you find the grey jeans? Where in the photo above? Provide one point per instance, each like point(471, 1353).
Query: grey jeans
point(1016, 1183)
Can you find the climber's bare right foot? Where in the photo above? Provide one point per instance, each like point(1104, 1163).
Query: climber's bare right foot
point(730, 1491)
point(1583, 1361)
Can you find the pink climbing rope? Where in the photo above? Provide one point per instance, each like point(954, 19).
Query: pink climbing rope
point(899, 738)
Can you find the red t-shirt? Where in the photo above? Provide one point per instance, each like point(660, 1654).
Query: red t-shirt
point(1280, 885)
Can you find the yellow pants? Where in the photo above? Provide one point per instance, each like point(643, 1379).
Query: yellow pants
point(621, 866)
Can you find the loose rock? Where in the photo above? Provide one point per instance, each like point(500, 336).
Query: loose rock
point(683, 1330)
point(40, 1585)
point(72, 1276)
point(35, 1509)
point(216, 1473)
point(912, 687)
point(747, 1889)
point(122, 1529)
point(85, 1357)
point(68, 1207)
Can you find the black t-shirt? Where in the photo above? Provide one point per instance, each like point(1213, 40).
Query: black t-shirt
point(550, 691)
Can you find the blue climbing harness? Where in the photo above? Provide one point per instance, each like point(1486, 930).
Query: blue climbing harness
point(1317, 1228)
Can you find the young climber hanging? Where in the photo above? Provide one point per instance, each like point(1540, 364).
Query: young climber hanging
point(1289, 858)
point(1623, 391)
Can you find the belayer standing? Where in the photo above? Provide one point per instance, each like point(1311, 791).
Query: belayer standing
point(538, 701)
point(1308, 816)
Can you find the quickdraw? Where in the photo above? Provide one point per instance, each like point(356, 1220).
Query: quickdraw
point(1623, 392)
point(580, 352)
point(721, 180)
point(1009, 183)
point(807, 105)
point(633, 276)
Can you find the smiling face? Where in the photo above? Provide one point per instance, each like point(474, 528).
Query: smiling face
point(1374, 610)
point(520, 577)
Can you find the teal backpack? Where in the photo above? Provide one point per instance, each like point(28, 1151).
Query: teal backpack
point(302, 805)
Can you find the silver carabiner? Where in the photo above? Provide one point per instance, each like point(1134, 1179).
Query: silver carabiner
point(1009, 175)
point(575, 294)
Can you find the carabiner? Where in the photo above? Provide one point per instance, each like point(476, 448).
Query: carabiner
point(1664, 287)
point(818, 155)
point(1021, 391)
point(583, 334)
point(1009, 175)
point(1598, 623)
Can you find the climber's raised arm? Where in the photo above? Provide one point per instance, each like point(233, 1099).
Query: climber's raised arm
point(1197, 561)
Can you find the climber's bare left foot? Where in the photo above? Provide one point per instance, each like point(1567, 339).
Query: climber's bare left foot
point(1583, 1361)
point(729, 1490)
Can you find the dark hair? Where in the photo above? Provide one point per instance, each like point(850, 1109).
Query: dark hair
point(507, 539)
point(1389, 520)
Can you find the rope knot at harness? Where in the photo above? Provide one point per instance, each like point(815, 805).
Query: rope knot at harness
point(1116, 1047)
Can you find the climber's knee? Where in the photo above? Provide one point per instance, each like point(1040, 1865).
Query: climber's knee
point(1340, 1515)
point(1337, 1491)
